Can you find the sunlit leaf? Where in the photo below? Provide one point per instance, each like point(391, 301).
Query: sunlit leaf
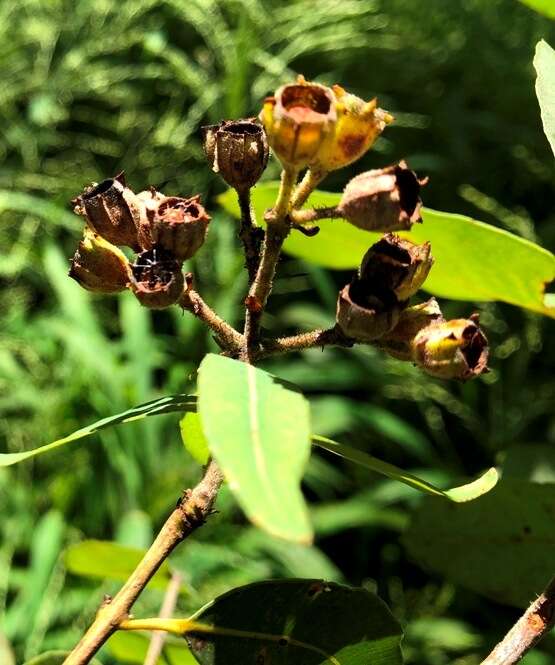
point(501, 546)
point(544, 62)
point(305, 622)
point(545, 7)
point(258, 432)
point(460, 494)
point(473, 261)
point(156, 407)
point(102, 559)
point(193, 437)
point(54, 658)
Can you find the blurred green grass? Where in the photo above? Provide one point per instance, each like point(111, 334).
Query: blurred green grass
point(90, 88)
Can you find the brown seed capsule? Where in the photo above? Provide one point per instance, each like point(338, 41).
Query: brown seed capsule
point(180, 226)
point(395, 265)
point(398, 342)
point(383, 200)
point(455, 349)
point(99, 266)
point(238, 151)
point(157, 280)
point(112, 210)
point(299, 121)
point(362, 316)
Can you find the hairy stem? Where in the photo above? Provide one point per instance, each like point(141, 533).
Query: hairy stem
point(229, 338)
point(249, 233)
point(278, 229)
point(536, 622)
point(190, 513)
point(308, 340)
point(305, 188)
point(314, 214)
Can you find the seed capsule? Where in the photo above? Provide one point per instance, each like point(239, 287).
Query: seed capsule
point(362, 316)
point(112, 211)
point(398, 266)
point(456, 349)
point(383, 200)
point(180, 226)
point(157, 280)
point(238, 151)
point(299, 122)
point(99, 266)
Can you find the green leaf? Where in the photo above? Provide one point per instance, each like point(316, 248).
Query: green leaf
point(102, 559)
point(156, 407)
point(545, 7)
point(544, 62)
point(193, 437)
point(473, 261)
point(501, 546)
point(55, 658)
point(133, 647)
point(305, 622)
point(258, 432)
point(535, 463)
point(460, 494)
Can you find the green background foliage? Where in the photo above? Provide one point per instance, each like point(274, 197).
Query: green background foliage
point(90, 88)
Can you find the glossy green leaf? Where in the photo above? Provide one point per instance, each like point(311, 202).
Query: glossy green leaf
point(133, 647)
point(258, 432)
point(156, 407)
point(501, 546)
point(545, 7)
point(544, 62)
point(467, 492)
point(305, 622)
point(193, 437)
point(102, 559)
point(473, 261)
point(55, 658)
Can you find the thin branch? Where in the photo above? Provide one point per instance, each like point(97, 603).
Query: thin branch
point(168, 606)
point(278, 229)
point(190, 513)
point(536, 622)
point(309, 340)
point(305, 188)
point(250, 234)
point(314, 214)
point(229, 338)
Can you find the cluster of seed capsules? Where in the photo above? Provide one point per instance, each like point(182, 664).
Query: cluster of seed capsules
point(308, 126)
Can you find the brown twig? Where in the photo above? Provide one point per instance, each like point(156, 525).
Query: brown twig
point(278, 229)
point(190, 513)
point(168, 606)
point(308, 340)
point(538, 619)
point(229, 338)
point(314, 214)
point(250, 234)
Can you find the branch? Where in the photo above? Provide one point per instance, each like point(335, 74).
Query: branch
point(538, 619)
point(168, 605)
point(314, 214)
point(190, 513)
point(229, 338)
point(278, 229)
point(249, 233)
point(308, 340)
point(305, 188)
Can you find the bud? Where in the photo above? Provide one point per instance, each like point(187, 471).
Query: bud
point(455, 349)
point(99, 266)
point(112, 210)
point(299, 121)
point(180, 226)
point(358, 125)
point(399, 341)
point(383, 200)
point(395, 265)
point(157, 280)
point(238, 151)
point(362, 316)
